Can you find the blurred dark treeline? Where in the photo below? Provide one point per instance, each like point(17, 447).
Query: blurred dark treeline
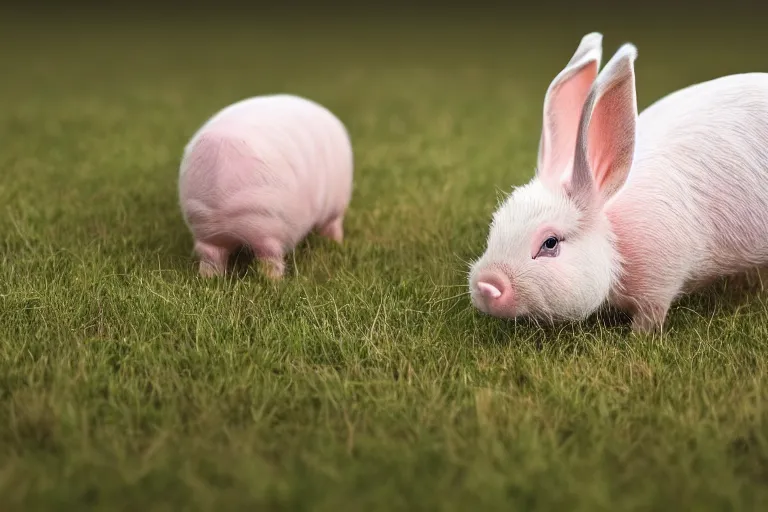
point(670, 13)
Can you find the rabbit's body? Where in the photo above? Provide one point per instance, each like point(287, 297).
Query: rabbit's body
point(695, 203)
point(626, 209)
point(263, 173)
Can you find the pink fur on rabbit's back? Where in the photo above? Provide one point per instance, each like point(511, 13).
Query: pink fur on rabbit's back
point(263, 173)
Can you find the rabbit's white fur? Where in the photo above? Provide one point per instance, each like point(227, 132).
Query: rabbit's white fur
point(693, 208)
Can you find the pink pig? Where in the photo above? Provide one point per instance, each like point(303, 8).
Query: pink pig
point(630, 210)
point(263, 173)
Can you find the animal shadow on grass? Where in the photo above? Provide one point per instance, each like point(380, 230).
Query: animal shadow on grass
point(573, 336)
point(564, 337)
point(723, 297)
point(243, 263)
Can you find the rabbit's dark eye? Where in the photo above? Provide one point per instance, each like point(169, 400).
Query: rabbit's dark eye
point(550, 243)
point(550, 248)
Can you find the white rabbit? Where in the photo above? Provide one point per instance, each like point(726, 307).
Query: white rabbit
point(630, 210)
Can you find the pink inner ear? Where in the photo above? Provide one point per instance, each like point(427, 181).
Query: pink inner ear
point(611, 138)
point(562, 121)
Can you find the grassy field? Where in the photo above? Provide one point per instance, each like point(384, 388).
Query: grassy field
point(364, 380)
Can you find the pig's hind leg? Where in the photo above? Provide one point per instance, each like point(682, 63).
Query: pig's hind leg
point(270, 256)
point(334, 229)
point(213, 259)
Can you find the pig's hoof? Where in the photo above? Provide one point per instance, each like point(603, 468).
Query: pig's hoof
point(213, 259)
point(208, 269)
point(273, 268)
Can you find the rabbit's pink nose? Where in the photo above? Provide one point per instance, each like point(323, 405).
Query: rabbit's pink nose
point(493, 294)
point(494, 289)
point(488, 290)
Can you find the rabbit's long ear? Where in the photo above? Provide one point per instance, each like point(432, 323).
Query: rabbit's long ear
point(563, 105)
point(606, 137)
